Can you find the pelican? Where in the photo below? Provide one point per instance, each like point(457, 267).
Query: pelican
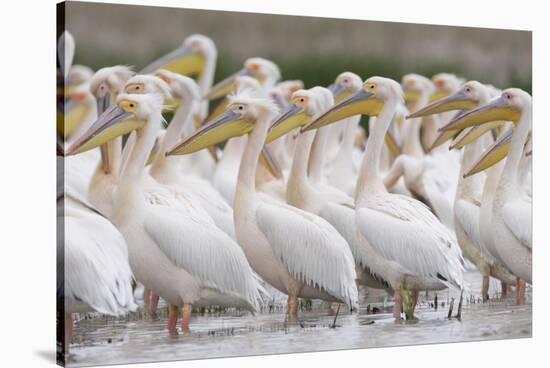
point(310, 194)
point(167, 170)
point(196, 56)
point(93, 259)
point(511, 210)
point(467, 204)
point(342, 172)
point(208, 268)
point(227, 169)
point(296, 252)
point(400, 228)
point(431, 178)
point(105, 85)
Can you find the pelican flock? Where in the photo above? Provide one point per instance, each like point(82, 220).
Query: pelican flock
point(275, 191)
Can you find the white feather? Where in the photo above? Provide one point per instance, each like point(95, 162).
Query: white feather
point(517, 216)
point(311, 249)
point(404, 230)
point(208, 254)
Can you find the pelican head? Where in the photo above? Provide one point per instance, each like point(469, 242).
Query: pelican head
point(129, 113)
point(180, 86)
point(507, 107)
point(346, 84)
point(369, 100)
point(265, 71)
point(305, 104)
point(282, 92)
point(445, 84)
point(147, 84)
point(414, 86)
point(466, 98)
point(188, 59)
point(243, 110)
point(78, 74)
point(107, 83)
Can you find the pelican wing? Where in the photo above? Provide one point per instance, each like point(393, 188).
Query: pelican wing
point(467, 214)
point(404, 230)
point(517, 217)
point(311, 249)
point(342, 218)
point(204, 251)
point(97, 272)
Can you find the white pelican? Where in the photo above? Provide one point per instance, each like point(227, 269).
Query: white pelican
point(196, 56)
point(296, 252)
point(400, 228)
point(93, 259)
point(511, 212)
point(342, 172)
point(227, 169)
point(467, 204)
point(206, 268)
point(105, 85)
point(431, 178)
point(312, 195)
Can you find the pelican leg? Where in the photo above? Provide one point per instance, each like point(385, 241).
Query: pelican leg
point(408, 304)
point(153, 304)
point(520, 291)
point(398, 301)
point(485, 288)
point(415, 300)
point(172, 319)
point(292, 308)
point(146, 298)
point(186, 318)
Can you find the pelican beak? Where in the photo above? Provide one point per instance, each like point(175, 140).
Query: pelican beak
point(457, 101)
point(470, 135)
point(438, 95)
point(268, 161)
point(441, 138)
point(293, 117)
point(361, 102)
point(497, 109)
point(392, 144)
point(226, 86)
point(111, 124)
point(410, 96)
point(220, 108)
point(103, 103)
point(339, 91)
point(182, 60)
point(493, 155)
point(228, 125)
point(69, 115)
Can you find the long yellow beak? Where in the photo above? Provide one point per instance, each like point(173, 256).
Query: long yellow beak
point(228, 125)
point(498, 150)
point(70, 116)
point(111, 124)
point(438, 95)
point(339, 91)
point(493, 111)
point(182, 61)
point(457, 101)
point(361, 102)
point(392, 144)
point(468, 136)
point(226, 86)
point(293, 117)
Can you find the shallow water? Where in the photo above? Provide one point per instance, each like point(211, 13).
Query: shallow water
point(100, 340)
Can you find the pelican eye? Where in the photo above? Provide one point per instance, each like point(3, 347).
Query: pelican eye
point(302, 99)
point(241, 107)
point(468, 89)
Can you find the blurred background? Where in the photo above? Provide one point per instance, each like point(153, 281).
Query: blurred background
point(314, 50)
